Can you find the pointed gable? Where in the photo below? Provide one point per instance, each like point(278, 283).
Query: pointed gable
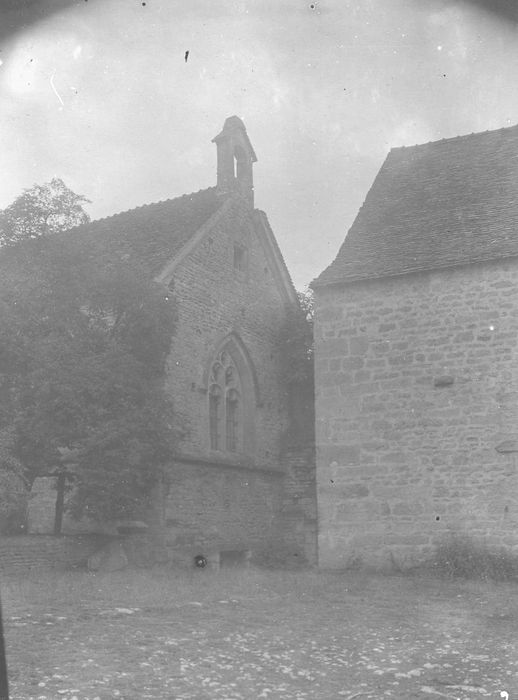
point(437, 205)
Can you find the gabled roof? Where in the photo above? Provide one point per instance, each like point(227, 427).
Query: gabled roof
point(151, 234)
point(160, 236)
point(441, 204)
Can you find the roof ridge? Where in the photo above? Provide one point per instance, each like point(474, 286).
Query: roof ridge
point(448, 139)
point(150, 233)
point(148, 204)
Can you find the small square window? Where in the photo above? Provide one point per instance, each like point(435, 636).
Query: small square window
point(240, 261)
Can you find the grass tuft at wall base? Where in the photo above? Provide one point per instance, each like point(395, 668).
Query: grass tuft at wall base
point(459, 556)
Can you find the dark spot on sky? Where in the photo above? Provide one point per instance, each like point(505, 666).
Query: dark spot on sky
point(186, 56)
point(437, 517)
point(505, 9)
point(312, 6)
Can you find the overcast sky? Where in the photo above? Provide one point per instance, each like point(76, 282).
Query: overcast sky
point(100, 94)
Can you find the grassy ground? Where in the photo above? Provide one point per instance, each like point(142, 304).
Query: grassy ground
point(250, 634)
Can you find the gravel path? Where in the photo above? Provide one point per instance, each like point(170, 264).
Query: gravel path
point(338, 637)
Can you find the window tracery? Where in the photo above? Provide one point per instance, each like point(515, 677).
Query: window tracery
point(225, 404)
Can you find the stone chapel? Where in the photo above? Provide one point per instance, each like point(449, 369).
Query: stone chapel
point(237, 489)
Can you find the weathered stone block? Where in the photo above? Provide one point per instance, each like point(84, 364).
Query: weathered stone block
point(355, 491)
point(407, 508)
point(444, 380)
point(341, 454)
point(330, 313)
point(507, 446)
point(333, 347)
point(358, 346)
point(352, 363)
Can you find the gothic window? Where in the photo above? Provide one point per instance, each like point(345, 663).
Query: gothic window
point(225, 407)
point(215, 415)
point(232, 410)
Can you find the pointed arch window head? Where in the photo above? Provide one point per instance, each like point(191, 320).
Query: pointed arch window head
point(225, 405)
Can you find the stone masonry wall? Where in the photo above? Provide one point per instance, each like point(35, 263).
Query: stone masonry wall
point(214, 300)
point(213, 508)
point(299, 507)
point(417, 414)
point(217, 500)
point(20, 554)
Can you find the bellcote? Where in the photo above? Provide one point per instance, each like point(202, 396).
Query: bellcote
point(236, 157)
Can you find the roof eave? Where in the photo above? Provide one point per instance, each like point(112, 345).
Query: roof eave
point(317, 284)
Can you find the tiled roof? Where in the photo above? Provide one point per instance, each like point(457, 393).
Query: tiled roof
point(441, 204)
point(151, 234)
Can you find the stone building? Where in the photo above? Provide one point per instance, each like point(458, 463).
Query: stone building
point(417, 359)
point(235, 486)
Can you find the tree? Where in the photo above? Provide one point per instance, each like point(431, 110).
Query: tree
point(42, 210)
point(296, 341)
point(13, 487)
point(83, 348)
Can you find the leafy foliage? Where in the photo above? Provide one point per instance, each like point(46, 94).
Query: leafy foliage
point(83, 347)
point(13, 487)
point(296, 340)
point(41, 210)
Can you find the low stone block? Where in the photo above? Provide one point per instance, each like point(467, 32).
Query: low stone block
point(445, 380)
point(507, 447)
